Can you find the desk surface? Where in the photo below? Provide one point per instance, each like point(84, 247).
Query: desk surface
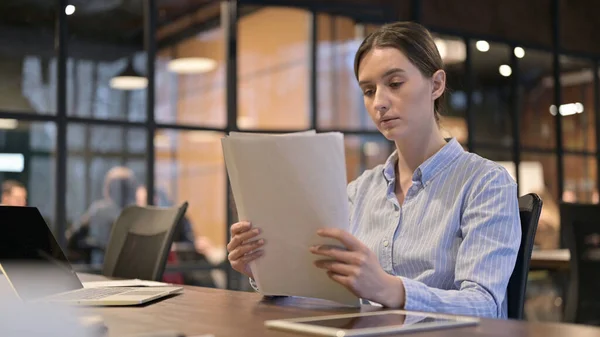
point(231, 313)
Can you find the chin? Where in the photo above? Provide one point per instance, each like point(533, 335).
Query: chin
point(394, 134)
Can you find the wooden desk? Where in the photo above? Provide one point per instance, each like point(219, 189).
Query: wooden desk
point(550, 259)
point(230, 313)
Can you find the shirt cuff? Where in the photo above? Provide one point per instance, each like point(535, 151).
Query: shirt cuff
point(416, 296)
point(253, 284)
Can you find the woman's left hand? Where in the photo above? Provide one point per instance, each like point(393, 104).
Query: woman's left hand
point(358, 269)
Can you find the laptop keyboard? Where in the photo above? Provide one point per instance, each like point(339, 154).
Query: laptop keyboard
point(93, 293)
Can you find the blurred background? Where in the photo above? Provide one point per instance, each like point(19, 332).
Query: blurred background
point(150, 86)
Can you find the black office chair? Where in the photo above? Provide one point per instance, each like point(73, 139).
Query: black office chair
point(140, 242)
point(580, 231)
point(530, 208)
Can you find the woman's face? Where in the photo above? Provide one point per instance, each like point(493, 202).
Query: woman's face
point(399, 99)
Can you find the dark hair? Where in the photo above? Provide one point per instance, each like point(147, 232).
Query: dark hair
point(8, 185)
point(414, 41)
point(120, 186)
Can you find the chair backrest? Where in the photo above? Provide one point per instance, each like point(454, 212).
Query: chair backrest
point(580, 231)
point(140, 242)
point(530, 208)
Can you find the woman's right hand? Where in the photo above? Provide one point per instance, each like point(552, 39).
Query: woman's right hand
point(241, 251)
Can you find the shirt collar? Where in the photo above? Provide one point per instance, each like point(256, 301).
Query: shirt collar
point(430, 167)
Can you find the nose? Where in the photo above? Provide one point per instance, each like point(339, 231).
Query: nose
point(381, 101)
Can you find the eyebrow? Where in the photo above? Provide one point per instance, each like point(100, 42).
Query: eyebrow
point(387, 73)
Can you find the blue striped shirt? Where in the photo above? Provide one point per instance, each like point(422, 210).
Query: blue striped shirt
point(453, 241)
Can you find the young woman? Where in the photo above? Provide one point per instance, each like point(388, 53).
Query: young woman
point(433, 229)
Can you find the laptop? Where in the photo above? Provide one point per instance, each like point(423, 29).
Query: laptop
point(38, 270)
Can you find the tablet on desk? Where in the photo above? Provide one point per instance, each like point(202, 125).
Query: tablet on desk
point(371, 323)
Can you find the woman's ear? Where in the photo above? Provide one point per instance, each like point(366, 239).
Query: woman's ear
point(439, 83)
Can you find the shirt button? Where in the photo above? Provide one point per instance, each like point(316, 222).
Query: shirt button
point(386, 243)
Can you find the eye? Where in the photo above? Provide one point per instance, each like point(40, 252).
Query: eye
point(396, 84)
point(368, 92)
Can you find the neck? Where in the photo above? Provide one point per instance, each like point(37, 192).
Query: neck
point(417, 148)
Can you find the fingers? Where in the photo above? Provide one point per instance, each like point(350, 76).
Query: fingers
point(244, 249)
point(344, 237)
point(240, 227)
point(242, 238)
point(349, 257)
point(343, 280)
point(252, 256)
point(240, 265)
point(338, 267)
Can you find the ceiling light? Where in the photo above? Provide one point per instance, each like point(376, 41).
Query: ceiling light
point(567, 109)
point(8, 123)
point(192, 65)
point(505, 70)
point(482, 46)
point(441, 46)
point(451, 51)
point(128, 79)
point(519, 52)
point(70, 9)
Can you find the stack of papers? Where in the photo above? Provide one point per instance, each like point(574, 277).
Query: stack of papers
point(290, 186)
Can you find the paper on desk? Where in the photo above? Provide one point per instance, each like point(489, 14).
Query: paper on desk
point(124, 283)
point(289, 186)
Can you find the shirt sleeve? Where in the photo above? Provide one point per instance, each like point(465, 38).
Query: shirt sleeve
point(253, 284)
point(491, 233)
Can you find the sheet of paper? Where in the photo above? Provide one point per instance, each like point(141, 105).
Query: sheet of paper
point(256, 134)
point(290, 186)
point(124, 283)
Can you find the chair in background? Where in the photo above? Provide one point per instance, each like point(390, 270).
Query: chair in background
point(580, 231)
point(530, 208)
point(140, 242)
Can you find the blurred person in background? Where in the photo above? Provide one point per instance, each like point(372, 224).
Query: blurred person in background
point(92, 232)
point(569, 196)
point(14, 193)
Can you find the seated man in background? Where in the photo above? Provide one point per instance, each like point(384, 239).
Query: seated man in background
point(94, 228)
point(13, 194)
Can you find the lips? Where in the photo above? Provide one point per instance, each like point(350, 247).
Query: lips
point(388, 122)
point(387, 119)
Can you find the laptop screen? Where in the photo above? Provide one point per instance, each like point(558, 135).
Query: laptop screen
point(30, 257)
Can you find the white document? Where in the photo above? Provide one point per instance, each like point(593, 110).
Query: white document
point(258, 134)
point(124, 283)
point(290, 186)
